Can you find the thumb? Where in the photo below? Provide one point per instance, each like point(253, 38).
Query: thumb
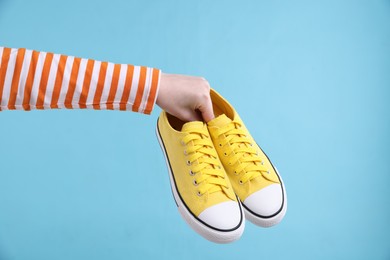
point(206, 110)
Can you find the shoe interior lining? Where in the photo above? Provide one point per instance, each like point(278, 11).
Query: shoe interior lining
point(220, 107)
point(175, 122)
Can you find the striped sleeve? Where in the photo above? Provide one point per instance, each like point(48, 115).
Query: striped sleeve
point(41, 80)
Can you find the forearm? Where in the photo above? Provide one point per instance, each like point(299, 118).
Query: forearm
point(40, 80)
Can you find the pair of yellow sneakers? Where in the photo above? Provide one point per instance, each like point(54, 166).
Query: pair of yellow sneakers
point(219, 175)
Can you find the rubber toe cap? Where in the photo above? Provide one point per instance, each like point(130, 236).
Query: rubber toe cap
point(265, 202)
point(223, 216)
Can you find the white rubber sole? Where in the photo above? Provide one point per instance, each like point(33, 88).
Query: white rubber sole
point(269, 221)
point(211, 234)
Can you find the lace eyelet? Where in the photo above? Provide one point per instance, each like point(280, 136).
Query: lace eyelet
point(225, 154)
point(188, 163)
point(198, 193)
point(240, 182)
point(192, 173)
point(220, 145)
point(262, 163)
point(268, 172)
point(185, 152)
point(195, 183)
point(182, 143)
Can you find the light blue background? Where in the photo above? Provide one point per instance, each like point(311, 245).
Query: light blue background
point(311, 79)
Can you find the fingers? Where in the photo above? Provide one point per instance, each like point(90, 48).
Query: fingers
point(203, 107)
point(185, 97)
point(189, 115)
point(207, 110)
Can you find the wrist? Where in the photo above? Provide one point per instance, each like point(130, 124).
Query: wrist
point(161, 88)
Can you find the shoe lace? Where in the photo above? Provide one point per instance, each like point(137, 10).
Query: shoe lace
point(250, 165)
point(204, 161)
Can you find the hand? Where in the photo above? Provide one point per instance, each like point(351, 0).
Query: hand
point(185, 97)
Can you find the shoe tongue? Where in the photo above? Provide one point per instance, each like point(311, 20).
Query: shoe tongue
point(220, 121)
point(192, 125)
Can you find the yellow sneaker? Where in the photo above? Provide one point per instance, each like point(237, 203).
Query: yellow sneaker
point(254, 178)
point(200, 186)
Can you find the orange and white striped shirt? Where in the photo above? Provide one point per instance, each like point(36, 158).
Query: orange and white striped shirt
point(42, 80)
